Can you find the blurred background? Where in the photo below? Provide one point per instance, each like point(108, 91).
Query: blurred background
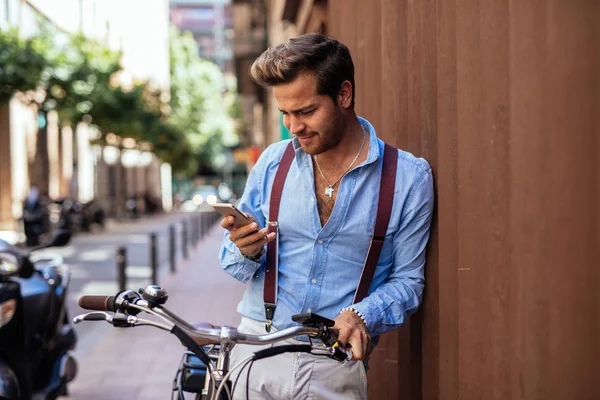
point(120, 104)
point(126, 119)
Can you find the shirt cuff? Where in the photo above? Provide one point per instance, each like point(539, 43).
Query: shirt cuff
point(370, 313)
point(235, 264)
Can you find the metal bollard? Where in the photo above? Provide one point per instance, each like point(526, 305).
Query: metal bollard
point(202, 225)
point(121, 266)
point(184, 239)
point(154, 258)
point(172, 249)
point(198, 227)
point(194, 231)
point(192, 237)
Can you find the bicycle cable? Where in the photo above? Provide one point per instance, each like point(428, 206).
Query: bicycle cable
point(226, 377)
point(248, 380)
point(238, 377)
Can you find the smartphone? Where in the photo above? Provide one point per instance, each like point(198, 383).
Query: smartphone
point(226, 209)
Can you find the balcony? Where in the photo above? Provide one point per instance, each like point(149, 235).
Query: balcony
point(249, 26)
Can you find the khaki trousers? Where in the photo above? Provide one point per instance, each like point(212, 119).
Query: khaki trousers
point(295, 376)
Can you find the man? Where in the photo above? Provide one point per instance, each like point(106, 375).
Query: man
point(33, 217)
point(326, 219)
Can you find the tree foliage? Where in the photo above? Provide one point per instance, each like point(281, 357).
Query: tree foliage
point(22, 62)
point(201, 100)
point(79, 78)
point(78, 75)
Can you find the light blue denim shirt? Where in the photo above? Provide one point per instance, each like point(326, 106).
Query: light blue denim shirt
point(319, 267)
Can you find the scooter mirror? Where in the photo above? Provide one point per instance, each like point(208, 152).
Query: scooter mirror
point(9, 264)
point(60, 238)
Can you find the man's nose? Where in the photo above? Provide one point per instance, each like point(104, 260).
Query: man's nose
point(296, 126)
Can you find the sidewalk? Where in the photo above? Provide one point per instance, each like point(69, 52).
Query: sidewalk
point(140, 363)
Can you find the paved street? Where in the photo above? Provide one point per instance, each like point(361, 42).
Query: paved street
point(141, 364)
point(92, 258)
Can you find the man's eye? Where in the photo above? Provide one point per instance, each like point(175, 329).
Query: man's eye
point(307, 112)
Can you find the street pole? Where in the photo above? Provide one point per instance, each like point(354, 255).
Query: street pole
point(121, 266)
point(154, 258)
point(184, 239)
point(172, 249)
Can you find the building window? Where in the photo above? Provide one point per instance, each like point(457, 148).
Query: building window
point(4, 13)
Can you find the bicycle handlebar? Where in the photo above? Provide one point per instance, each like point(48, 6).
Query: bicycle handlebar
point(130, 303)
point(127, 304)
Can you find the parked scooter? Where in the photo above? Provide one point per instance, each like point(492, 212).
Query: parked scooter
point(36, 336)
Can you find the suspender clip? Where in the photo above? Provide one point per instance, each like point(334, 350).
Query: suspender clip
point(269, 313)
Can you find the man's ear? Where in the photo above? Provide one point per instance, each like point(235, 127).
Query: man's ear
point(345, 94)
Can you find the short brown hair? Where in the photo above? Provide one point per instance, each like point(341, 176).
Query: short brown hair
point(328, 59)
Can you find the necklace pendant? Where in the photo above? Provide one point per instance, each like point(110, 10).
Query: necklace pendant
point(329, 191)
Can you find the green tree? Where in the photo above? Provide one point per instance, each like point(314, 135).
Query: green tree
point(79, 72)
point(22, 63)
point(76, 70)
point(200, 100)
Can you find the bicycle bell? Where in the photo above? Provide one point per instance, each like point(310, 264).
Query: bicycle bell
point(155, 295)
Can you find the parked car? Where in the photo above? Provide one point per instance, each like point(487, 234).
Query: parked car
point(201, 199)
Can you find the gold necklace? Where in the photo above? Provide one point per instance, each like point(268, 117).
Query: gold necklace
point(329, 189)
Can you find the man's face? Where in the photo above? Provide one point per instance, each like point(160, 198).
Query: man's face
point(313, 118)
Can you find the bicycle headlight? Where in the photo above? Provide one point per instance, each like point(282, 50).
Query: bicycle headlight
point(7, 311)
point(9, 264)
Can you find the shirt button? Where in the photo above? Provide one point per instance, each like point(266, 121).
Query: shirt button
point(314, 281)
point(320, 241)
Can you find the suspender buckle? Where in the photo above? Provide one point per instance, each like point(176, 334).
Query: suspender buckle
point(269, 313)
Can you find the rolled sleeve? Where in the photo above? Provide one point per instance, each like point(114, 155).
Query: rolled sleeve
point(234, 263)
point(390, 304)
point(230, 257)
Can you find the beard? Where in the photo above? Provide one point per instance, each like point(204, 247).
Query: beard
point(326, 138)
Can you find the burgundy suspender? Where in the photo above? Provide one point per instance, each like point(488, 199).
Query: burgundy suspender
point(384, 209)
point(270, 289)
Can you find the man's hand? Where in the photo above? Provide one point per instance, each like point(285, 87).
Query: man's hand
point(249, 239)
point(353, 334)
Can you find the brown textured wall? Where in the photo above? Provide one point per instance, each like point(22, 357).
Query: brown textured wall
point(502, 98)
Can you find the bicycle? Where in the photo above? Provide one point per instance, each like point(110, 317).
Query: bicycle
point(204, 369)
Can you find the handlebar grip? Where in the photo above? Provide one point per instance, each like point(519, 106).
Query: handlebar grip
point(97, 303)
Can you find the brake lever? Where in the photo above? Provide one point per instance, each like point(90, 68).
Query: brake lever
point(329, 339)
point(337, 352)
point(122, 320)
point(93, 316)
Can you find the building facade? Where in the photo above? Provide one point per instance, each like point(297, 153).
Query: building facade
point(69, 166)
point(211, 23)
